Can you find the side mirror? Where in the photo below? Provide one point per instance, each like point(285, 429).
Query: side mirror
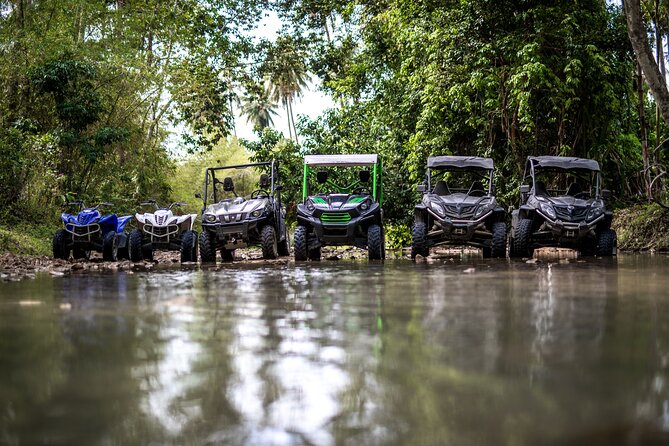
point(525, 189)
point(198, 195)
point(421, 188)
point(606, 194)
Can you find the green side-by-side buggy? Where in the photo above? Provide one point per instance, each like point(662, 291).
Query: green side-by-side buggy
point(562, 204)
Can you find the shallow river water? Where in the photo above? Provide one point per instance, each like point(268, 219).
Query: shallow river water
point(466, 352)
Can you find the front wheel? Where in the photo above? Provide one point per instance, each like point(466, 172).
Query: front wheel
point(188, 246)
point(81, 254)
point(498, 244)
point(300, 243)
point(135, 246)
point(520, 244)
point(375, 242)
point(419, 240)
point(607, 243)
point(207, 248)
point(268, 242)
point(59, 245)
point(110, 247)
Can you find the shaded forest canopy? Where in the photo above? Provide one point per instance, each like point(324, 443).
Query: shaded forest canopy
point(91, 89)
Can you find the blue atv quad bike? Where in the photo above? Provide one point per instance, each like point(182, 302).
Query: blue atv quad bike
point(88, 231)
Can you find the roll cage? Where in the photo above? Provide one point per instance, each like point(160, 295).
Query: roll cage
point(367, 160)
point(210, 179)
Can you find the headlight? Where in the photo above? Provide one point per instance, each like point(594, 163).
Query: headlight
point(210, 218)
point(480, 211)
point(438, 209)
point(257, 213)
point(593, 213)
point(548, 210)
point(310, 206)
point(364, 206)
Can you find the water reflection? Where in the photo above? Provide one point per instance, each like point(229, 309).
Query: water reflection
point(471, 352)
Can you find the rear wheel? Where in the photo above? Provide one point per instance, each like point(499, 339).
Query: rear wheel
point(419, 240)
point(498, 244)
point(300, 243)
point(284, 246)
point(135, 246)
point(59, 245)
point(268, 242)
point(110, 247)
point(521, 239)
point(607, 243)
point(207, 248)
point(374, 242)
point(188, 247)
point(123, 253)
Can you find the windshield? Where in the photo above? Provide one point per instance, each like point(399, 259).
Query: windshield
point(560, 183)
point(445, 182)
point(339, 180)
point(230, 183)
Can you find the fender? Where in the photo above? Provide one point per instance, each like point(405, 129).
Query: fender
point(182, 218)
point(141, 218)
point(121, 222)
point(108, 223)
point(68, 218)
point(419, 213)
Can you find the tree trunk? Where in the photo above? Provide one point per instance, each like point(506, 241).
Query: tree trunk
point(644, 55)
point(292, 119)
point(643, 132)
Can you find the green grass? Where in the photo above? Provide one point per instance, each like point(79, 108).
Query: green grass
point(27, 239)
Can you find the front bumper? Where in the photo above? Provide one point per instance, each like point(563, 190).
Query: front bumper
point(566, 233)
point(472, 232)
point(246, 230)
point(347, 233)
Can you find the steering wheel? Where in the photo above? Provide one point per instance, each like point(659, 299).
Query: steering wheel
point(259, 192)
point(360, 190)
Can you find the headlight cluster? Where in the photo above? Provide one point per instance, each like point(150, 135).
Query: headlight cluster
point(257, 213)
point(481, 210)
point(210, 218)
point(438, 209)
point(593, 213)
point(310, 206)
point(548, 210)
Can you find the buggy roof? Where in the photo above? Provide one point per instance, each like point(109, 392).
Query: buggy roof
point(563, 162)
point(460, 162)
point(340, 160)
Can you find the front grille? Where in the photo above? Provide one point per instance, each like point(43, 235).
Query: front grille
point(161, 233)
point(81, 232)
point(576, 213)
point(231, 218)
point(461, 211)
point(335, 217)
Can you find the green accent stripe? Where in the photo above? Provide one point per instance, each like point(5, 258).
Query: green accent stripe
point(304, 183)
point(356, 199)
point(335, 217)
point(319, 200)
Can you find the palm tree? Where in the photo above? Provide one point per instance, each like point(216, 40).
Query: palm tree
point(259, 107)
point(287, 76)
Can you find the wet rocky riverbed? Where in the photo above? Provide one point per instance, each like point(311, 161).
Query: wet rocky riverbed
point(461, 351)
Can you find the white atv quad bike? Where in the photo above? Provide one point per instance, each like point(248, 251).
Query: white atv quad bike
point(163, 230)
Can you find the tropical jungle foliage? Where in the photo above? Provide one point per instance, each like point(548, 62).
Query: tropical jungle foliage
point(92, 91)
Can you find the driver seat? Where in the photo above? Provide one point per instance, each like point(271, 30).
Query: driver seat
point(264, 181)
point(441, 188)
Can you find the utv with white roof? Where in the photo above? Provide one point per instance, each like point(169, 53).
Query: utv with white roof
point(243, 209)
point(458, 207)
point(342, 207)
point(562, 204)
